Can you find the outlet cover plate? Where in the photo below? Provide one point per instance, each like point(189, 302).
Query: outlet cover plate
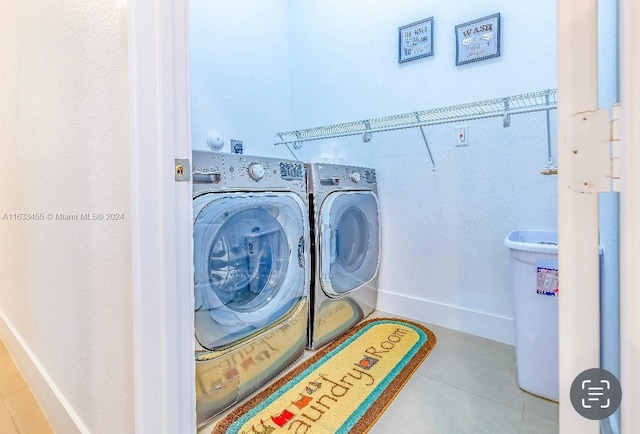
point(462, 136)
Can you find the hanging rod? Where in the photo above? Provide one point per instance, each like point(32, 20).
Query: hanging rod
point(499, 107)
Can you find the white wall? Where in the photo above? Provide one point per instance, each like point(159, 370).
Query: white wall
point(344, 57)
point(444, 260)
point(443, 255)
point(65, 300)
point(239, 55)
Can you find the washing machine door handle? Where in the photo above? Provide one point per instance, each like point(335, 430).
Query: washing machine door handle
point(325, 261)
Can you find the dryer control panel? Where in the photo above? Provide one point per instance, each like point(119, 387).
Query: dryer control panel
point(328, 177)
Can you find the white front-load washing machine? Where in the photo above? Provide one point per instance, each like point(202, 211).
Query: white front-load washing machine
point(251, 274)
point(345, 237)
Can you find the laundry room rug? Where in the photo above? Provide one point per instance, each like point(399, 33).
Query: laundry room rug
point(342, 388)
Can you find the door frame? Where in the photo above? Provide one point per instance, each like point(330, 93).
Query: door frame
point(629, 15)
point(578, 219)
point(162, 245)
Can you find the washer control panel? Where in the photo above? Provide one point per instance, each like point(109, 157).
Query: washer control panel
point(245, 171)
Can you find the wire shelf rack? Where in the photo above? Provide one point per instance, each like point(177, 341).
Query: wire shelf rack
point(499, 107)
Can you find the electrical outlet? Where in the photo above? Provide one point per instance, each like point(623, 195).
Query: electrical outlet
point(462, 136)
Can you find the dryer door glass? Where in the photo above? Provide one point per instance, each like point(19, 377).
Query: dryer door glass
point(349, 240)
point(352, 239)
point(247, 264)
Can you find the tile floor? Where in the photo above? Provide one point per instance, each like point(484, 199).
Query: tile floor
point(467, 385)
point(19, 411)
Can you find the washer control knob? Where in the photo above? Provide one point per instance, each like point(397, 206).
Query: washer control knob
point(355, 176)
point(256, 171)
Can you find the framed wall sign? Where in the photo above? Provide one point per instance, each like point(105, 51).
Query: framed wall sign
point(415, 40)
point(478, 40)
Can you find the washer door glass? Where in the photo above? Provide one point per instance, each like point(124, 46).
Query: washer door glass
point(349, 240)
point(248, 259)
point(248, 263)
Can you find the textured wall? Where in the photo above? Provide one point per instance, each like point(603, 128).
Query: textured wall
point(239, 54)
point(443, 254)
point(344, 57)
point(63, 135)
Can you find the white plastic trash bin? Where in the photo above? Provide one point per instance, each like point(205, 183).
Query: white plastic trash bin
point(534, 282)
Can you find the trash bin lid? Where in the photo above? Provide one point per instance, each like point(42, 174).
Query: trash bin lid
point(533, 241)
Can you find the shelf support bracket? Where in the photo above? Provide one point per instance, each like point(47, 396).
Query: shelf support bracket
point(596, 153)
point(424, 136)
point(289, 147)
point(549, 156)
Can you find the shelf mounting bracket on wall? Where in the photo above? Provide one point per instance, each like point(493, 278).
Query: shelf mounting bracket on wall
point(506, 118)
point(366, 136)
point(424, 137)
point(550, 168)
point(433, 164)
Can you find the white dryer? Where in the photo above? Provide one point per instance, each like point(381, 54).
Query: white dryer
point(345, 237)
point(251, 274)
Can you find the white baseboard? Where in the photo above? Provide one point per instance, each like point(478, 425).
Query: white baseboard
point(497, 328)
point(56, 408)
